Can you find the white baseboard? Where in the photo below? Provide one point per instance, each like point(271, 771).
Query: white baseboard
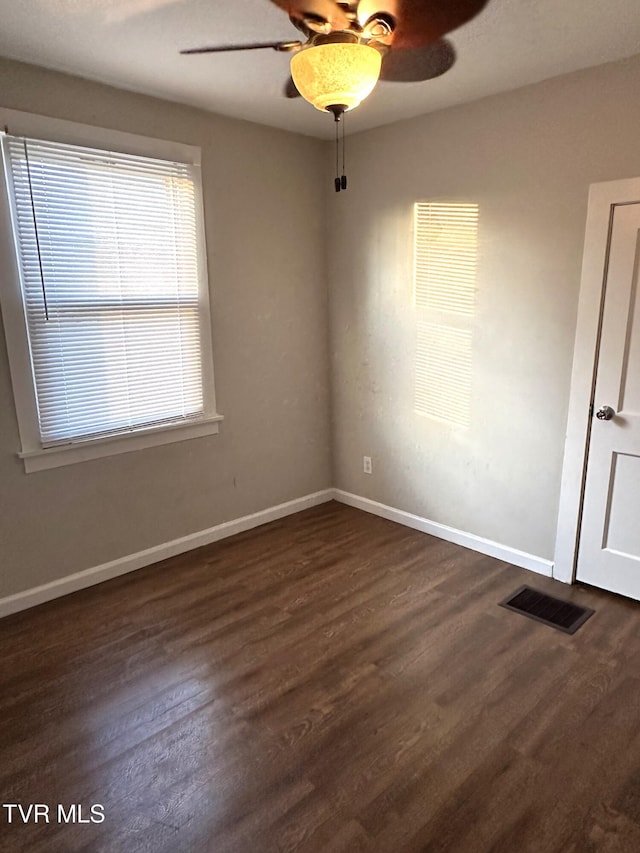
point(98, 574)
point(106, 571)
point(451, 534)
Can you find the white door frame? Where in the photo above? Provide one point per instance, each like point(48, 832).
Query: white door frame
point(603, 199)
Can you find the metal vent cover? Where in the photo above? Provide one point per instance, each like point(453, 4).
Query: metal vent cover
point(547, 609)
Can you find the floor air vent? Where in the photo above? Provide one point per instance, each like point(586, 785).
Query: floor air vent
point(560, 614)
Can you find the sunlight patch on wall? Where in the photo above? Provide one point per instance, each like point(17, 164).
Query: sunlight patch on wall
point(446, 258)
point(443, 373)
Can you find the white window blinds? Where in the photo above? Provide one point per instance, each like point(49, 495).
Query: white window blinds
point(108, 251)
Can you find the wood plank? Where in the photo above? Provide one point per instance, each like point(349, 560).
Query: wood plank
point(329, 682)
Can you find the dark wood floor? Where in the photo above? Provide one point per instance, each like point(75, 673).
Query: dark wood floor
point(331, 681)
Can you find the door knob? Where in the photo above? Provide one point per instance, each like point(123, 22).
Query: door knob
point(605, 413)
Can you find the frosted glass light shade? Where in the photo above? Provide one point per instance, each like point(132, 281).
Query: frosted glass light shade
point(339, 73)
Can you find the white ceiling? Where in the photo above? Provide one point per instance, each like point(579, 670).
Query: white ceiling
point(134, 44)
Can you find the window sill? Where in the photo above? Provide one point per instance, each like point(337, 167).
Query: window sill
point(69, 454)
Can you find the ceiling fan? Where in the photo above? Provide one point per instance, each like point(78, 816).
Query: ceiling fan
point(404, 41)
point(349, 46)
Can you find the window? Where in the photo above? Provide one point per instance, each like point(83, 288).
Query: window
point(114, 293)
point(446, 257)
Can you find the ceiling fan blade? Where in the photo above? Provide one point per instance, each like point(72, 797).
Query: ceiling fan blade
point(421, 22)
point(291, 90)
point(411, 64)
point(316, 10)
point(257, 45)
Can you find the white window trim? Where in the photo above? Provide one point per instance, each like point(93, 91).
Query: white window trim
point(36, 458)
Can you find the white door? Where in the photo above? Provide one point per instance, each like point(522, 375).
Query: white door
point(609, 549)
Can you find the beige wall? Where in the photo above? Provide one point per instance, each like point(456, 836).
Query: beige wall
point(527, 158)
point(263, 203)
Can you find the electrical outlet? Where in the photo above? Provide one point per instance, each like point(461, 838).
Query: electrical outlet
point(368, 468)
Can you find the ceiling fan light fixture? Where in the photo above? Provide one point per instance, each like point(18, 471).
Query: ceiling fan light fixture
point(336, 73)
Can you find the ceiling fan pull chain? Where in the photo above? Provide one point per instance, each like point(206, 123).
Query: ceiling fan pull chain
point(343, 179)
point(337, 182)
